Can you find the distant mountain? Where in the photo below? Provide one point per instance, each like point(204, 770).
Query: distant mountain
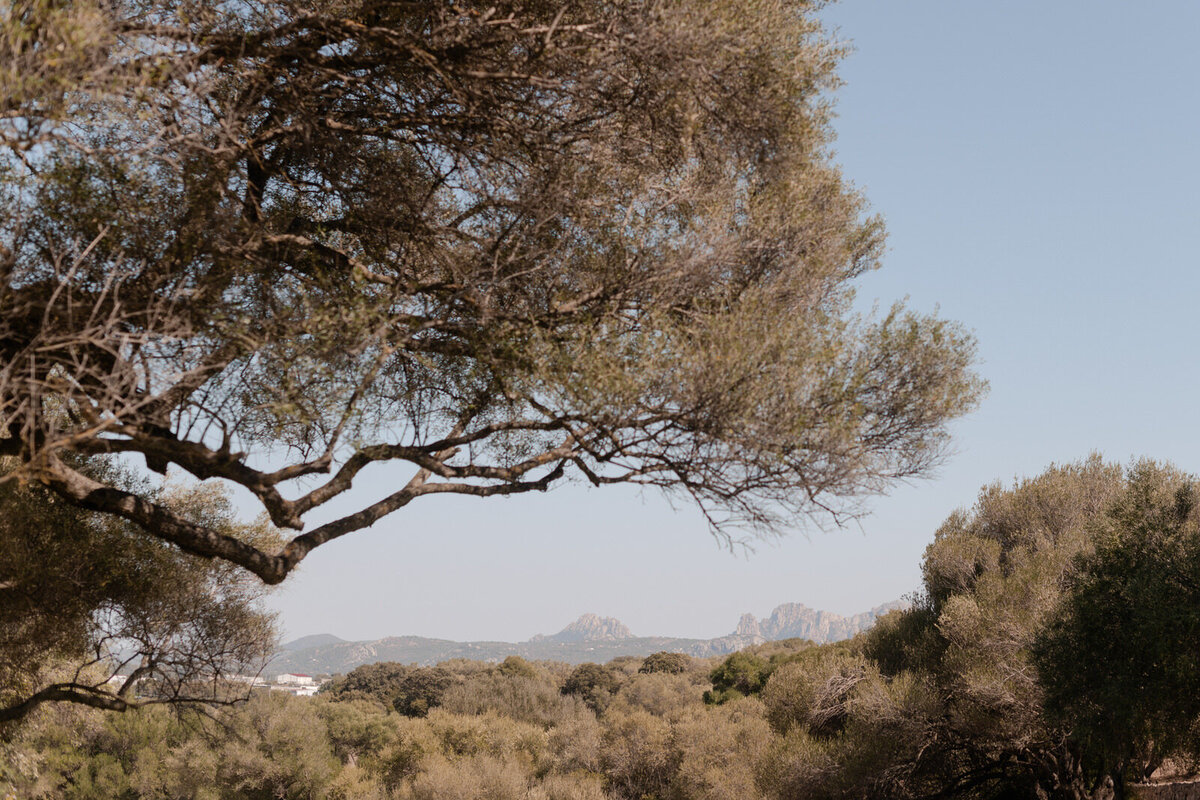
point(589, 638)
point(796, 620)
point(590, 628)
point(316, 640)
point(748, 626)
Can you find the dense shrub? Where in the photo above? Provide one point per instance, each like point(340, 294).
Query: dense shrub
point(471, 778)
point(739, 675)
point(359, 731)
point(1119, 662)
point(719, 749)
point(575, 786)
point(526, 699)
point(592, 683)
point(664, 695)
point(637, 755)
point(574, 746)
point(379, 682)
point(815, 692)
point(516, 667)
point(666, 662)
point(421, 690)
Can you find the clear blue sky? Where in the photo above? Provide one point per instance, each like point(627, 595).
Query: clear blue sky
point(1038, 165)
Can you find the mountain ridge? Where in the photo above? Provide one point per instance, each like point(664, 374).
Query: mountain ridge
point(589, 638)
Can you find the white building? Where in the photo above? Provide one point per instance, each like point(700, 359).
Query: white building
point(295, 679)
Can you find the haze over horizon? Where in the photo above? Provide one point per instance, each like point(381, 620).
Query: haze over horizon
point(588, 622)
point(1037, 169)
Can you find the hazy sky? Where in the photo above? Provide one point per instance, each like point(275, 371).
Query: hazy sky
point(1038, 165)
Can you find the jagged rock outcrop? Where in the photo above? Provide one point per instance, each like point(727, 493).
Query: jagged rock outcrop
point(748, 626)
point(796, 620)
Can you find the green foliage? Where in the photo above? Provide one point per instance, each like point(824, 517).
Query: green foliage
point(905, 640)
point(516, 667)
point(663, 694)
point(1041, 658)
point(380, 682)
point(421, 689)
point(83, 595)
point(943, 698)
point(1115, 663)
point(280, 748)
point(359, 731)
point(592, 683)
point(745, 672)
point(674, 663)
point(274, 746)
point(814, 691)
point(739, 675)
point(534, 700)
point(411, 691)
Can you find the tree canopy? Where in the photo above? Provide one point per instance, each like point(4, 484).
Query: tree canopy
point(497, 245)
point(1116, 661)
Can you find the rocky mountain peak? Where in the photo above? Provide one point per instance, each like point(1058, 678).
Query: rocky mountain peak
point(747, 626)
point(590, 628)
point(798, 620)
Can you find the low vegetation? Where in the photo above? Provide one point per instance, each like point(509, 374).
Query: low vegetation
point(1040, 659)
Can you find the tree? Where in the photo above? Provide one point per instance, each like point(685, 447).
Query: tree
point(993, 578)
point(379, 682)
point(1115, 662)
point(1043, 658)
point(740, 674)
point(662, 661)
point(592, 683)
point(422, 689)
point(94, 612)
point(499, 244)
point(516, 667)
point(944, 699)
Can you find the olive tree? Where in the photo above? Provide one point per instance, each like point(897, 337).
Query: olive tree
point(662, 661)
point(1117, 662)
point(494, 245)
